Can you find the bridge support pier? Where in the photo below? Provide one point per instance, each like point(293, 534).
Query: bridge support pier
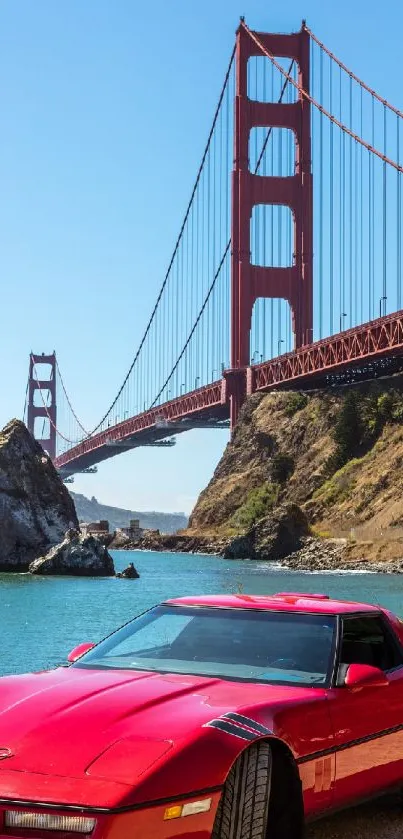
point(235, 392)
point(249, 281)
point(49, 411)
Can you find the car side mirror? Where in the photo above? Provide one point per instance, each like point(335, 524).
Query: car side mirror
point(363, 675)
point(79, 651)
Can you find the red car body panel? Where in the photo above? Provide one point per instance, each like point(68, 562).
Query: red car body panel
point(123, 743)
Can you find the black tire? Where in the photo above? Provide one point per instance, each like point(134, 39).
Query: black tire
point(244, 806)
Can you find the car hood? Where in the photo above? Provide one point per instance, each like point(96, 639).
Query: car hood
point(115, 725)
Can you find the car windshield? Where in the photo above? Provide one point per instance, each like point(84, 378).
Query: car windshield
point(274, 647)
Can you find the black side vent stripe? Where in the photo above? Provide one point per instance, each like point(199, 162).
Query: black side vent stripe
point(230, 728)
point(239, 718)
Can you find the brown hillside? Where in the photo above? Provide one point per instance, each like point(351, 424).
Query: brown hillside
point(287, 447)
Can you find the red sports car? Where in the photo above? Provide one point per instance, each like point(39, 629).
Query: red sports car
point(227, 717)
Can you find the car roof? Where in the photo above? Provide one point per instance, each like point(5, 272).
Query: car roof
point(281, 602)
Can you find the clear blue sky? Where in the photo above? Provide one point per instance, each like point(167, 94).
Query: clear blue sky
point(105, 109)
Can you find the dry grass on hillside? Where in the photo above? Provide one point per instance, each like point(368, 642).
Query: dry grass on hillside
point(362, 501)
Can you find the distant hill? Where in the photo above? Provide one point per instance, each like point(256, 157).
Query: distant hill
point(89, 509)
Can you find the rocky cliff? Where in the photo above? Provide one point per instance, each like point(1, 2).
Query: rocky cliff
point(337, 454)
point(35, 507)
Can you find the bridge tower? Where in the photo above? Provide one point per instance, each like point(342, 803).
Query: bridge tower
point(249, 281)
point(49, 413)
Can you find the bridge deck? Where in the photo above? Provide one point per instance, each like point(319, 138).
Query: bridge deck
point(205, 406)
point(209, 406)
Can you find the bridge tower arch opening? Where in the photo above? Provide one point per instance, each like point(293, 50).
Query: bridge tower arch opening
point(271, 329)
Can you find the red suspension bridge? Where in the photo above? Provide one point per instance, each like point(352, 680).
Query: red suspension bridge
point(287, 270)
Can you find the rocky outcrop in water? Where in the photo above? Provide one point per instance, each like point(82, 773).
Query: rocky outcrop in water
point(79, 556)
point(129, 573)
point(35, 506)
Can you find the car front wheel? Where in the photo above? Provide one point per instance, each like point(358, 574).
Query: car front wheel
point(244, 806)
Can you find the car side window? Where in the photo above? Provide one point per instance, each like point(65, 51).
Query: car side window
point(366, 640)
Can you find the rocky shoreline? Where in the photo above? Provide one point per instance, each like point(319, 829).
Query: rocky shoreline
point(313, 555)
point(334, 555)
point(40, 530)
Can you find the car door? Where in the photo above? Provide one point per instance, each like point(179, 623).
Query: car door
point(368, 721)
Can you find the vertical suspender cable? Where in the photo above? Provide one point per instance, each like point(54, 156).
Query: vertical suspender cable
point(289, 223)
point(373, 214)
point(220, 301)
point(227, 205)
point(264, 307)
point(361, 213)
point(272, 229)
point(340, 212)
point(208, 365)
point(350, 219)
point(196, 281)
point(369, 237)
point(384, 296)
point(280, 239)
point(213, 333)
point(399, 223)
point(343, 226)
point(256, 213)
point(321, 218)
point(203, 249)
point(331, 205)
point(355, 237)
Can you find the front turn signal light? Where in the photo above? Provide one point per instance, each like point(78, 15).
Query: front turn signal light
point(190, 809)
point(48, 821)
point(173, 813)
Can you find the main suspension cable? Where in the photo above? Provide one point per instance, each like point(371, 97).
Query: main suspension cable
point(187, 213)
point(222, 260)
point(350, 73)
point(87, 434)
point(316, 104)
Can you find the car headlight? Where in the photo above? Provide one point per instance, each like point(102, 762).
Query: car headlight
point(48, 821)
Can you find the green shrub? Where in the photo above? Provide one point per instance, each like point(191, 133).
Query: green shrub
point(361, 420)
point(295, 402)
point(379, 409)
point(258, 503)
point(397, 410)
point(339, 486)
point(348, 430)
point(320, 534)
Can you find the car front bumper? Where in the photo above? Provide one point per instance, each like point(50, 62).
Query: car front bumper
point(145, 822)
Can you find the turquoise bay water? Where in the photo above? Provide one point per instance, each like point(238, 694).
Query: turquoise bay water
point(43, 618)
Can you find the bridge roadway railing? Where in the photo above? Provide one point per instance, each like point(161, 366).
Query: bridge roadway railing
point(196, 403)
point(374, 340)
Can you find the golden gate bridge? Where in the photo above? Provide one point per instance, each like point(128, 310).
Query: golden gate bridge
point(287, 269)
